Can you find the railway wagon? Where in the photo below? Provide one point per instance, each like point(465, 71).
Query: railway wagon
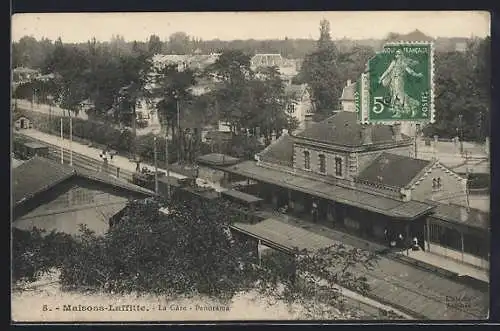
point(25, 150)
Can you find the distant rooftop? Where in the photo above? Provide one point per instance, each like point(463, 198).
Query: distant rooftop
point(415, 35)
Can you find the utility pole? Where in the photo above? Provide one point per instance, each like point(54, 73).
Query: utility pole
point(461, 133)
point(417, 131)
point(167, 165)
point(480, 125)
point(70, 139)
point(179, 142)
point(156, 166)
point(62, 141)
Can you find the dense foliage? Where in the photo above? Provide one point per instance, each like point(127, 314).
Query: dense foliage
point(463, 97)
point(35, 252)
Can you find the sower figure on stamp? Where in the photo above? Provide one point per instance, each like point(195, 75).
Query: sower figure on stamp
point(394, 79)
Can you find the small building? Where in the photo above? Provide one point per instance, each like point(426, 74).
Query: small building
point(209, 164)
point(52, 196)
point(22, 74)
point(22, 122)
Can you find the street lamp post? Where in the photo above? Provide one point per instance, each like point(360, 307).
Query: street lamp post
point(156, 165)
point(50, 98)
point(461, 133)
point(167, 163)
point(179, 141)
point(70, 139)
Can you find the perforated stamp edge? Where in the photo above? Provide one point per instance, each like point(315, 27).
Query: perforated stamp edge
point(432, 118)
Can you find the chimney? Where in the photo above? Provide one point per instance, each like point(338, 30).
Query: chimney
point(348, 82)
point(396, 132)
point(308, 120)
point(366, 134)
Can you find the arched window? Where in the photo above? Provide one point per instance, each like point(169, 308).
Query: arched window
point(307, 160)
point(322, 164)
point(338, 166)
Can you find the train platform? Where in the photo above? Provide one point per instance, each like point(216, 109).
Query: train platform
point(428, 259)
point(448, 264)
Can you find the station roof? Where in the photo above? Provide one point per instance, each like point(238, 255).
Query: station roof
point(284, 236)
point(349, 196)
point(343, 129)
point(248, 198)
point(217, 159)
point(458, 214)
point(40, 174)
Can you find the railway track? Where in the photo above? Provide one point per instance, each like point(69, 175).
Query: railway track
point(88, 163)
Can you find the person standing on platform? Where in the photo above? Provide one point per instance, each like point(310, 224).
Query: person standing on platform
point(314, 211)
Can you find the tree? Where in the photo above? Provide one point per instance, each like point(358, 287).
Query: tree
point(321, 73)
point(155, 45)
point(171, 91)
point(464, 92)
point(353, 63)
point(179, 43)
point(136, 69)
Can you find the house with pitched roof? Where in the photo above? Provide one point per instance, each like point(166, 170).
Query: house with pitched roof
point(347, 98)
point(288, 68)
point(52, 196)
point(298, 102)
point(362, 178)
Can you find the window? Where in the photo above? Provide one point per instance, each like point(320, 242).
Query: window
point(307, 160)
point(322, 164)
point(476, 245)
point(435, 232)
point(291, 108)
point(338, 167)
point(436, 184)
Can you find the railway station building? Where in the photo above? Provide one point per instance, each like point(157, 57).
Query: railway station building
point(361, 179)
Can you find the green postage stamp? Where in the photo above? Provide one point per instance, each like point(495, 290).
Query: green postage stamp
point(399, 85)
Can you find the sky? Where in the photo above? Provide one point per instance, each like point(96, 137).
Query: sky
point(80, 27)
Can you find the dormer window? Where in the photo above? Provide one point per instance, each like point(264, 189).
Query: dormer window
point(307, 160)
point(322, 164)
point(436, 184)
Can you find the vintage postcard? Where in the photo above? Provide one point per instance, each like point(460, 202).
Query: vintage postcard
point(250, 166)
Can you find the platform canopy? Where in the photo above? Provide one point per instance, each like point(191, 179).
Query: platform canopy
point(405, 210)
